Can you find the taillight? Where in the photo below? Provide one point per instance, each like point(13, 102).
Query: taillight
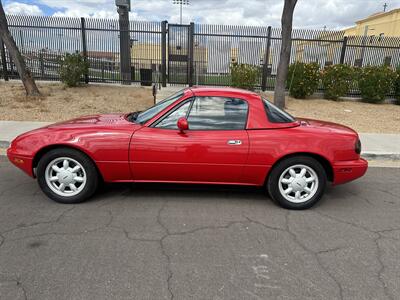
point(358, 146)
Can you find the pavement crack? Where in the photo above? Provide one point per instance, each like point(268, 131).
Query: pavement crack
point(264, 225)
point(381, 267)
point(62, 233)
point(387, 230)
point(9, 189)
point(168, 234)
point(126, 234)
point(383, 191)
point(330, 250)
point(379, 236)
point(361, 197)
point(164, 251)
point(108, 224)
point(42, 222)
point(217, 227)
point(20, 285)
point(345, 222)
point(18, 282)
point(313, 253)
point(2, 240)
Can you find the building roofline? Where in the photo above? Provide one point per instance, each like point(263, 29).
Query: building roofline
point(378, 15)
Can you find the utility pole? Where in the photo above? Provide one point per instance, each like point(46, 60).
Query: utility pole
point(181, 3)
point(124, 7)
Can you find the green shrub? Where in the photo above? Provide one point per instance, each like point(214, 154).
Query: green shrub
point(337, 80)
point(72, 68)
point(244, 76)
point(397, 86)
point(303, 79)
point(375, 83)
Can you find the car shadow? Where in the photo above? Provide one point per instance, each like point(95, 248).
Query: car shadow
point(181, 191)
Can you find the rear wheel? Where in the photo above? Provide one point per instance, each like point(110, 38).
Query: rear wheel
point(67, 176)
point(297, 182)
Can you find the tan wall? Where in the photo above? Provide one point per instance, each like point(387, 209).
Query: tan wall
point(387, 23)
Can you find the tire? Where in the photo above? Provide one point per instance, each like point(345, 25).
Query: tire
point(293, 191)
point(79, 176)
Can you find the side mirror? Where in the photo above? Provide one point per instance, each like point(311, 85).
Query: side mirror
point(182, 124)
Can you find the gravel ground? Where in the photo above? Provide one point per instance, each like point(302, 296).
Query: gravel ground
point(60, 103)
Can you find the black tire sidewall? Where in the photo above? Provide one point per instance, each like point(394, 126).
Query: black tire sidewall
point(83, 159)
point(273, 181)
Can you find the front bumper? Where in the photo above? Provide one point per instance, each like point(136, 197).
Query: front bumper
point(20, 161)
point(346, 171)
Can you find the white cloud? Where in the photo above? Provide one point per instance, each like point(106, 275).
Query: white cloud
point(308, 14)
point(17, 8)
point(101, 14)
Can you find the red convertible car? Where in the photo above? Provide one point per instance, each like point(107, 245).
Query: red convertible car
point(199, 135)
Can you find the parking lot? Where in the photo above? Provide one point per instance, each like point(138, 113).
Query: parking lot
point(185, 242)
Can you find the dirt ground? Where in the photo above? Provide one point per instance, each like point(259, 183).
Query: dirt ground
point(61, 103)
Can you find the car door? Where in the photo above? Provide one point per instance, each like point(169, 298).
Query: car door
point(213, 150)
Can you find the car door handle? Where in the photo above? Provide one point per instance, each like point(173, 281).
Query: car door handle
point(234, 142)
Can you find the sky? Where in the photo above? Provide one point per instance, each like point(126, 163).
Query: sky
point(316, 14)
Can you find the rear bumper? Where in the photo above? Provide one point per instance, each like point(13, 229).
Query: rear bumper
point(346, 171)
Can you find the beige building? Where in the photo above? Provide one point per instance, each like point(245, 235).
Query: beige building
point(378, 24)
point(372, 41)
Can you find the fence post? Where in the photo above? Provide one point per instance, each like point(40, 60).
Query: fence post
point(266, 61)
point(41, 62)
point(343, 52)
point(124, 42)
point(191, 44)
point(164, 53)
point(102, 71)
point(84, 46)
point(4, 60)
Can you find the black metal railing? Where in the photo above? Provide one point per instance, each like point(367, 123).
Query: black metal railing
point(182, 54)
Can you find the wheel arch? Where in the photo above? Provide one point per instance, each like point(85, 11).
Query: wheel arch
point(39, 154)
point(321, 159)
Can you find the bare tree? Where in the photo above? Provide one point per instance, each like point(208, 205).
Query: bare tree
point(24, 73)
point(283, 66)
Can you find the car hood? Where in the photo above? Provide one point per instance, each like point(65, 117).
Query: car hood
point(328, 126)
point(101, 120)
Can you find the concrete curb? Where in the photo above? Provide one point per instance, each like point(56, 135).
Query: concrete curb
point(4, 144)
point(381, 156)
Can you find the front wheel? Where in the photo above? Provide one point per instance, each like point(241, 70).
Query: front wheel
point(297, 182)
point(67, 176)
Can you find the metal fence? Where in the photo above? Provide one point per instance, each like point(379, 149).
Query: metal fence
point(183, 54)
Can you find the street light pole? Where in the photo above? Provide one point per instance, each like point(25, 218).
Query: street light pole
point(181, 3)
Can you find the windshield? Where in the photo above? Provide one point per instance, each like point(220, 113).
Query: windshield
point(146, 115)
point(275, 114)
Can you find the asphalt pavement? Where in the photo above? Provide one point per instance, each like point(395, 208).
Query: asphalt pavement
point(184, 242)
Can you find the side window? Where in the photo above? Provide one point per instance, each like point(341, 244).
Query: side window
point(276, 115)
point(218, 113)
point(169, 122)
